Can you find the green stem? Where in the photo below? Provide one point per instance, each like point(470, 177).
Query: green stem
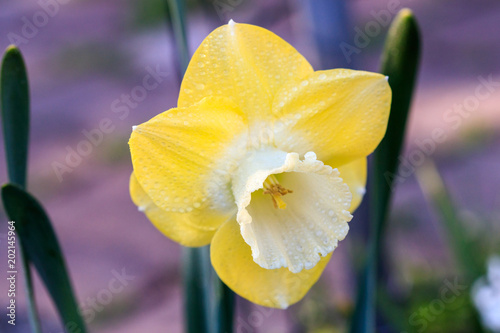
point(196, 261)
point(224, 307)
point(196, 269)
point(205, 310)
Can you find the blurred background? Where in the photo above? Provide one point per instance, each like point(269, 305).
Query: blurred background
point(87, 61)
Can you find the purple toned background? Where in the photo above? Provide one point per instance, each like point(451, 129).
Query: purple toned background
point(88, 54)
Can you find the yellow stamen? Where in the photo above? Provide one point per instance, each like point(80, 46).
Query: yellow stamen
point(272, 187)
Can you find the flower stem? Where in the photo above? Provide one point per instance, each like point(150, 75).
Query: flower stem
point(206, 309)
point(224, 307)
point(196, 270)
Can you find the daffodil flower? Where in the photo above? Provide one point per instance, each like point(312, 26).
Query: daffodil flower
point(264, 159)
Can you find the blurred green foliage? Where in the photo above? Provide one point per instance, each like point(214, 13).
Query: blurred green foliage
point(150, 13)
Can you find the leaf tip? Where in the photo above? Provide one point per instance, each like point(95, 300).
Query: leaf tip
point(12, 50)
point(8, 188)
point(406, 12)
point(405, 15)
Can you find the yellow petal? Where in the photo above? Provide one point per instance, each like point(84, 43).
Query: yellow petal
point(172, 225)
point(340, 114)
point(354, 175)
point(232, 260)
point(244, 62)
point(183, 159)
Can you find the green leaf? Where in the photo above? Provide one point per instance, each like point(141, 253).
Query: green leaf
point(470, 260)
point(399, 62)
point(15, 114)
point(30, 292)
point(14, 96)
point(467, 255)
point(41, 245)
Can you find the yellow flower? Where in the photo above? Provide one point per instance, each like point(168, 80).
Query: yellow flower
point(263, 158)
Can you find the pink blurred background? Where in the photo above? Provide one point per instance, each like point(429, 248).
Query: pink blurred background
point(88, 54)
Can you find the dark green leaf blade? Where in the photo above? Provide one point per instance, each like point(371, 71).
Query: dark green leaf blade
point(15, 114)
point(400, 60)
point(41, 245)
point(178, 17)
point(30, 292)
point(400, 63)
point(14, 103)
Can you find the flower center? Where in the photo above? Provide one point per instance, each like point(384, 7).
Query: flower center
point(272, 187)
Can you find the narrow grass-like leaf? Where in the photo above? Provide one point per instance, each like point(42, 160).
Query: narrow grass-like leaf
point(30, 292)
point(14, 96)
point(469, 259)
point(399, 62)
point(178, 18)
point(467, 256)
point(15, 114)
point(40, 243)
